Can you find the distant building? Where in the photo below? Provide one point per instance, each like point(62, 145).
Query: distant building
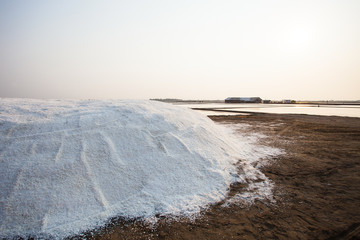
point(243, 100)
point(288, 101)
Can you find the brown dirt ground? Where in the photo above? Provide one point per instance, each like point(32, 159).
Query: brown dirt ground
point(317, 187)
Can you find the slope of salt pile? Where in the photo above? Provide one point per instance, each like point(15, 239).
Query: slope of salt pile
point(68, 166)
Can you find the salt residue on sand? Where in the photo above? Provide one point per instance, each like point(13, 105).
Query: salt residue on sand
point(68, 166)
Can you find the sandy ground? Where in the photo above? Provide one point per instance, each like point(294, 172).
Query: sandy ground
point(317, 187)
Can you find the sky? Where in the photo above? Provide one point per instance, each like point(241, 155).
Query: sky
point(188, 49)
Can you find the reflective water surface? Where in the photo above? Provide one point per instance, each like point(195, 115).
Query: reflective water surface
point(323, 110)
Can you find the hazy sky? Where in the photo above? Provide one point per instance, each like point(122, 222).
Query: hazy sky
point(180, 49)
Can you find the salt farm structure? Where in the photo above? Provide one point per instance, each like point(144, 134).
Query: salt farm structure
point(243, 100)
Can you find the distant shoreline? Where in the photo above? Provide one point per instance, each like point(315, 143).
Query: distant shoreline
point(323, 102)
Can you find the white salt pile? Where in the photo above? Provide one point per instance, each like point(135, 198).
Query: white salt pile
point(68, 166)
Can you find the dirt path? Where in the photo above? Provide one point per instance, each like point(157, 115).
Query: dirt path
point(317, 189)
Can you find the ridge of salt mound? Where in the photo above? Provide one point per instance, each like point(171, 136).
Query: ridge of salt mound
point(68, 166)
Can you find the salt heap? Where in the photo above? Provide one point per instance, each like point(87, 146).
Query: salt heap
point(68, 166)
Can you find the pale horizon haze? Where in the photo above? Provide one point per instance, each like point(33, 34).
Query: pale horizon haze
point(302, 50)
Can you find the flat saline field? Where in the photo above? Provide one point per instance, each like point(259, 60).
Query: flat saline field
point(138, 169)
point(316, 193)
